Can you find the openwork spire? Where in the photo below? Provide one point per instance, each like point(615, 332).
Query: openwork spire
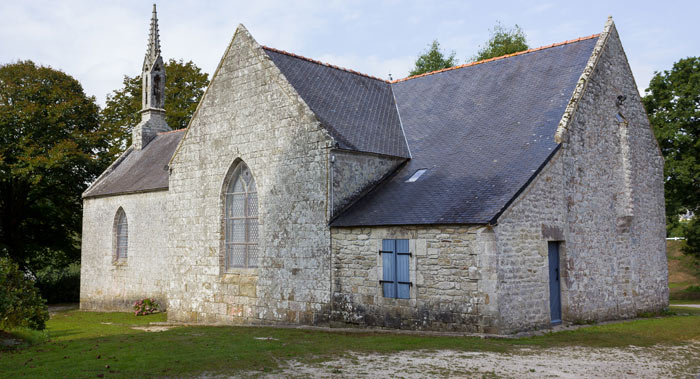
point(152, 92)
point(153, 48)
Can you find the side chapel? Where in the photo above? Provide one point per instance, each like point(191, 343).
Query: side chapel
point(496, 196)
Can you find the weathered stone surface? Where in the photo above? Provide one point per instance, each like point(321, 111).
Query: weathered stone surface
point(445, 269)
point(110, 284)
point(602, 195)
point(354, 173)
point(251, 113)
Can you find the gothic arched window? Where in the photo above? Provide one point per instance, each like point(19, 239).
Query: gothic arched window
point(241, 214)
point(121, 235)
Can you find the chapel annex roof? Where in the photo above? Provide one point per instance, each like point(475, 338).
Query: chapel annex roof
point(139, 170)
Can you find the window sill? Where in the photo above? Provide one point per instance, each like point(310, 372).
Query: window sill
point(233, 274)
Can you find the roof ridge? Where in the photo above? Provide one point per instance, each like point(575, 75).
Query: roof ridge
point(172, 131)
point(431, 72)
point(498, 58)
point(324, 64)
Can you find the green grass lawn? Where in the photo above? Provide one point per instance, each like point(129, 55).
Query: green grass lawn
point(89, 344)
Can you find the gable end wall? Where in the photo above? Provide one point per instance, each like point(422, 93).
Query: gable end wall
point(602, 196)
point(251, 113)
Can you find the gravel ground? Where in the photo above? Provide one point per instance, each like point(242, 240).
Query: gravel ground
point(573, 362)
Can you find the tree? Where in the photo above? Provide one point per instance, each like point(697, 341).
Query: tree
point(20, 303)
point(433, 59)
point(692, 238)
point(51, 147)
point(503, 41)
point(184, 86)
point(672, 102)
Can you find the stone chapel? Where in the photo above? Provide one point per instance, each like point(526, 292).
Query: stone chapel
point(496, 196)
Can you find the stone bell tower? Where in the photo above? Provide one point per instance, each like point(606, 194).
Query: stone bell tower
point(153, 91)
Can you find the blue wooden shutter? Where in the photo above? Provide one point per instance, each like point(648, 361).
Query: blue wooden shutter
point(403, 281)
point(389, 268)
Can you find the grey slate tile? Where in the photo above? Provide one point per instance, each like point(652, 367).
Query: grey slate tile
point(481, 131)
point(142, 170)
point(358, 111)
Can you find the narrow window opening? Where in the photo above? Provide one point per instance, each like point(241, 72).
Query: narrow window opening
point(121, 235)
point(416, 175)
point(241, 215)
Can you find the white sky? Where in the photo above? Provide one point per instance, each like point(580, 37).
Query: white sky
point(98, 42)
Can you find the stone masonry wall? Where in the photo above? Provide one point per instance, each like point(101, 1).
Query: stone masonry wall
point(522, 233)
point(353, 173)
point(251, 113)
point(107, 284)
point(453, 283)
point(602, 195)
point(616, 250)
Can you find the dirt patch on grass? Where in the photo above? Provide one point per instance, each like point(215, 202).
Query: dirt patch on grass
point(152, 328)
point(570, 362)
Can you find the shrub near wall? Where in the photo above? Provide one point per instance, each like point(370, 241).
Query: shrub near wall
point(60, 285)
point(20, 303)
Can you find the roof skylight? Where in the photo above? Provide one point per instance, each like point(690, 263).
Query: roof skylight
point(417, 175)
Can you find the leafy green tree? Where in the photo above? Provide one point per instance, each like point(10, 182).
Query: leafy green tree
point(503, 41)
point(433, 59)
point(184, 86)
point(672, 102)
point(20, 303)
point(692, 238)
point(51, 147)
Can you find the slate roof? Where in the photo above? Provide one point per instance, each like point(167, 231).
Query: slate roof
point(357, 110)
point(139, 170)
point(483, 132)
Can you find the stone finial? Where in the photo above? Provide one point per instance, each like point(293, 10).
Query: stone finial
point(153, 48)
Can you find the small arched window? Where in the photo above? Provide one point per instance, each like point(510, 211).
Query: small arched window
point(121, 234)
point(241, 240)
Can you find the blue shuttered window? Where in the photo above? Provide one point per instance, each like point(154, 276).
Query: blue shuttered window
point(396, 281)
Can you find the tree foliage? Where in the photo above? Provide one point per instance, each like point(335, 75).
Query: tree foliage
point(433, 59)
point(184, 86)
point(692, 238)
point(672, 102)
point(20, 303)
point(51, 146)
point(503, 41)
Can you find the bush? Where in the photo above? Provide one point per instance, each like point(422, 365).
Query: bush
point(146, 307)
point(20, 302)
point(690, 293)
point(692, 237)
point(59, 285)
